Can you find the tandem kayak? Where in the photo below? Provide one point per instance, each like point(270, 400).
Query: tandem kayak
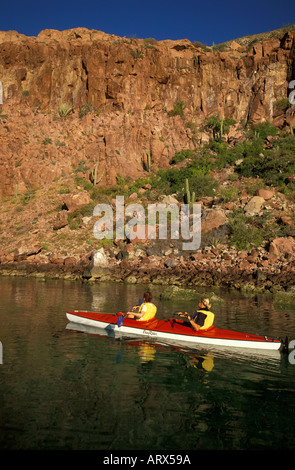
point(174, 331)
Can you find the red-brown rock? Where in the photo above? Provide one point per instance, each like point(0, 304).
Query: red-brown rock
point(213, 220)
point(282, 246)
point(76, 200)
point(266, 194)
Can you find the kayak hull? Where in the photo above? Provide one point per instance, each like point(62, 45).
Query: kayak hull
point(174, 332)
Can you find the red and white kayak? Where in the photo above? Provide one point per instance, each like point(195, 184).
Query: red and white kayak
point(174, 332)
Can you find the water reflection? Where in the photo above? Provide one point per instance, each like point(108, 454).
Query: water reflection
point(147, 349)
point(71, 389)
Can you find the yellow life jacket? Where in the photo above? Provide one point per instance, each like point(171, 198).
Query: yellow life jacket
point(150, 311)
point(209, 320)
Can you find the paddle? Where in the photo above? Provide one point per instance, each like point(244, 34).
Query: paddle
point(196, 316)
point(180, 314)
point(120, 320)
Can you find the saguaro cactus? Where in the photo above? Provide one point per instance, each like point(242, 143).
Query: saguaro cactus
point(148, 159)
point(93, 175)
point(189, 197)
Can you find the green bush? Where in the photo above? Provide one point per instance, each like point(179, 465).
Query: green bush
point(85, 109)
point(250, 232)
point(180, 156)
point(219, 126)
point(178, 110)
point(274, 166)
point(197, 172)
point(65, 110)
point(283, 104)
point(263, 130)
point(203, 185)
point(243, 235)
point(226, 155)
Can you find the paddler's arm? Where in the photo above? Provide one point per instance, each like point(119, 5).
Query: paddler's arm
point(137, 315)
point(133, 314)
point(194, 325)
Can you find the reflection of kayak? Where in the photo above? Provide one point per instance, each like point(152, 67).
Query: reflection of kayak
point(174, 331)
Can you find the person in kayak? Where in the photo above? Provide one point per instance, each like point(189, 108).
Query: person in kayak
point(203, 318)
point(147, 310)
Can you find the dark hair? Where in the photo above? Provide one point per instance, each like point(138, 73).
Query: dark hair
point(147, 296)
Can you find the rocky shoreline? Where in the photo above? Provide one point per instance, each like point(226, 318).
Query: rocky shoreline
point(259, 269)
point(267, 268)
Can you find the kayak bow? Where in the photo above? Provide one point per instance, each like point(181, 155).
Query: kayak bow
point(174, 332)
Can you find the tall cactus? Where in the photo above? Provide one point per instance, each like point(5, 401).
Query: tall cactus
point(221, 128)
point(148, 163)
point(187, 192)
point(93, 175)
point(189, 198)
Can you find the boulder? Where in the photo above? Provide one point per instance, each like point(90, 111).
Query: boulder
point(282, 246)
point(70, 261)
point(98, 265)
point(99, 259)
point(290, 178)
point(75, 200)
point(285, 220)
point(266, 194)
point(170, 199)
point(171, 263)
point(26, 248)
point(61, 220)
point(253, 207)
point(212, 221)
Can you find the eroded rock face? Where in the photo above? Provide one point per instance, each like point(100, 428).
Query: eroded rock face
point(81, 66)
point(132, 85)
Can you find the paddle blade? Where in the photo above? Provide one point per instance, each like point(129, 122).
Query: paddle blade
point(120, 320)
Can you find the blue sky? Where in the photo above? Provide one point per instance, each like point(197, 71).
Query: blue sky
point(204, 21)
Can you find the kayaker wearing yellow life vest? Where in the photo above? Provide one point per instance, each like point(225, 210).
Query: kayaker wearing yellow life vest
point(147, 310)
point(203, 318)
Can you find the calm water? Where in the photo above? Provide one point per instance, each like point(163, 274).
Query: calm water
point(65, 389)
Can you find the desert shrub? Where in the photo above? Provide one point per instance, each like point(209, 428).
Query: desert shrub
point(243, 234)
point(226, 155)
point(283, 104)
point(218, 126)
point(274, 165)
point(202, 185)
point(197, 172)
point(180, 156)
point(65, 110)
point(85, 109)
point(250, 232)
point(228, 194)
point(262, 130)
point(199, 44)
point(137, 54)
point(150, 42)
point(178, 110)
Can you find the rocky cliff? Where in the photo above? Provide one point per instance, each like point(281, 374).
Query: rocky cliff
point(133, 88)
point(82, 110)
